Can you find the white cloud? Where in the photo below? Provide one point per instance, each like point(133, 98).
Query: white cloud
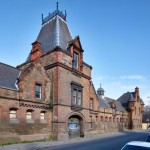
point(116, 86)
point(133, 77)
point(101, 77)
point(128, 87)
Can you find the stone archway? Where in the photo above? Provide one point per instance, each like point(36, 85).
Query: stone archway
point(75, 126)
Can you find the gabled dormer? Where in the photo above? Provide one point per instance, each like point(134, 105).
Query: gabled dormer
point(113, 105)
point(76, 51)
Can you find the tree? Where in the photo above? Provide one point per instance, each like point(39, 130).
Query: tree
point(146, 114)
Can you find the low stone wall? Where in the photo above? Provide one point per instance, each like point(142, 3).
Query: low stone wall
point(10, 133)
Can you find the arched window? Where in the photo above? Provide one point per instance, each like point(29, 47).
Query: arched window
point(110, 120)
point(117, 120)
point(106, 119)
point(102, 118)
point(12, 113)
point(43, 115)
point(96, 117)
point(29, 116)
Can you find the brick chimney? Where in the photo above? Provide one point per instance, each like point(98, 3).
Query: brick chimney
point(137, 92)
point(36, 50)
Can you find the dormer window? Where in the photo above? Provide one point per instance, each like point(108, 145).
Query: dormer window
point(75, 60)
point(38, 91)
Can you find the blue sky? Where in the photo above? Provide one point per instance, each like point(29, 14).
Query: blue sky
point(115, 36)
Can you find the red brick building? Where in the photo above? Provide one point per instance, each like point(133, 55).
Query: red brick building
point(52, 94)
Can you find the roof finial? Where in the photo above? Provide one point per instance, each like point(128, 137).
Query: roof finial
point(65, 14)
point(100, 85)
point(42, 18)
point(57, 5)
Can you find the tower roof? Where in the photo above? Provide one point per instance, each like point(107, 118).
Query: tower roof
point(54, 32)
point(100, 89)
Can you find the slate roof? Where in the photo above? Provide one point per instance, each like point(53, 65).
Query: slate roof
point(8, 76)
point(54, 32)
point(103, 103)
point(106, 102)
point(125, 98)
point(119, 107)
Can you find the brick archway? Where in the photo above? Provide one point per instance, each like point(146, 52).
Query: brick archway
point(75, 125)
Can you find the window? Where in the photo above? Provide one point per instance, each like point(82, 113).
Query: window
point(91, 104)
point(76, 94)
point(13, 114)
point(102, 118)
point(74, 97)
point(110, 120)
point(29, 114)
point(38, 90)
point(79, 98)
point(75, 60)
point(42, 116)
point(96, 118)
point(117, 119)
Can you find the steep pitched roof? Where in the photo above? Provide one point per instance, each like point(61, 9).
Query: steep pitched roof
point(106, 102)
point(54, 32)
point(118, 105)
point(102, 102)
point(125, 98)
point(8, 76)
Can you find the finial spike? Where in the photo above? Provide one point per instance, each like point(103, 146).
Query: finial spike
point(65, 13)
point(42, 18)
point(57, 5)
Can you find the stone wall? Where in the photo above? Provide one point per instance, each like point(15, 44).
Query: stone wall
point(20, 128)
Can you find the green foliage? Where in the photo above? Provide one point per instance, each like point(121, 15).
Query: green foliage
point(51, 105)
point(24, 142)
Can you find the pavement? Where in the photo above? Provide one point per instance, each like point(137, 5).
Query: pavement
point(40, 145)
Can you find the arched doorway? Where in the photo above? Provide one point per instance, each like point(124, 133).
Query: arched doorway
point(75, 126)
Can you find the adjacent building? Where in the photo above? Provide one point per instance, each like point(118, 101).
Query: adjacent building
point(51, 95)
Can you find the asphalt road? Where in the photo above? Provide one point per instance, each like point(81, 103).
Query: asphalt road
point(103, 143)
